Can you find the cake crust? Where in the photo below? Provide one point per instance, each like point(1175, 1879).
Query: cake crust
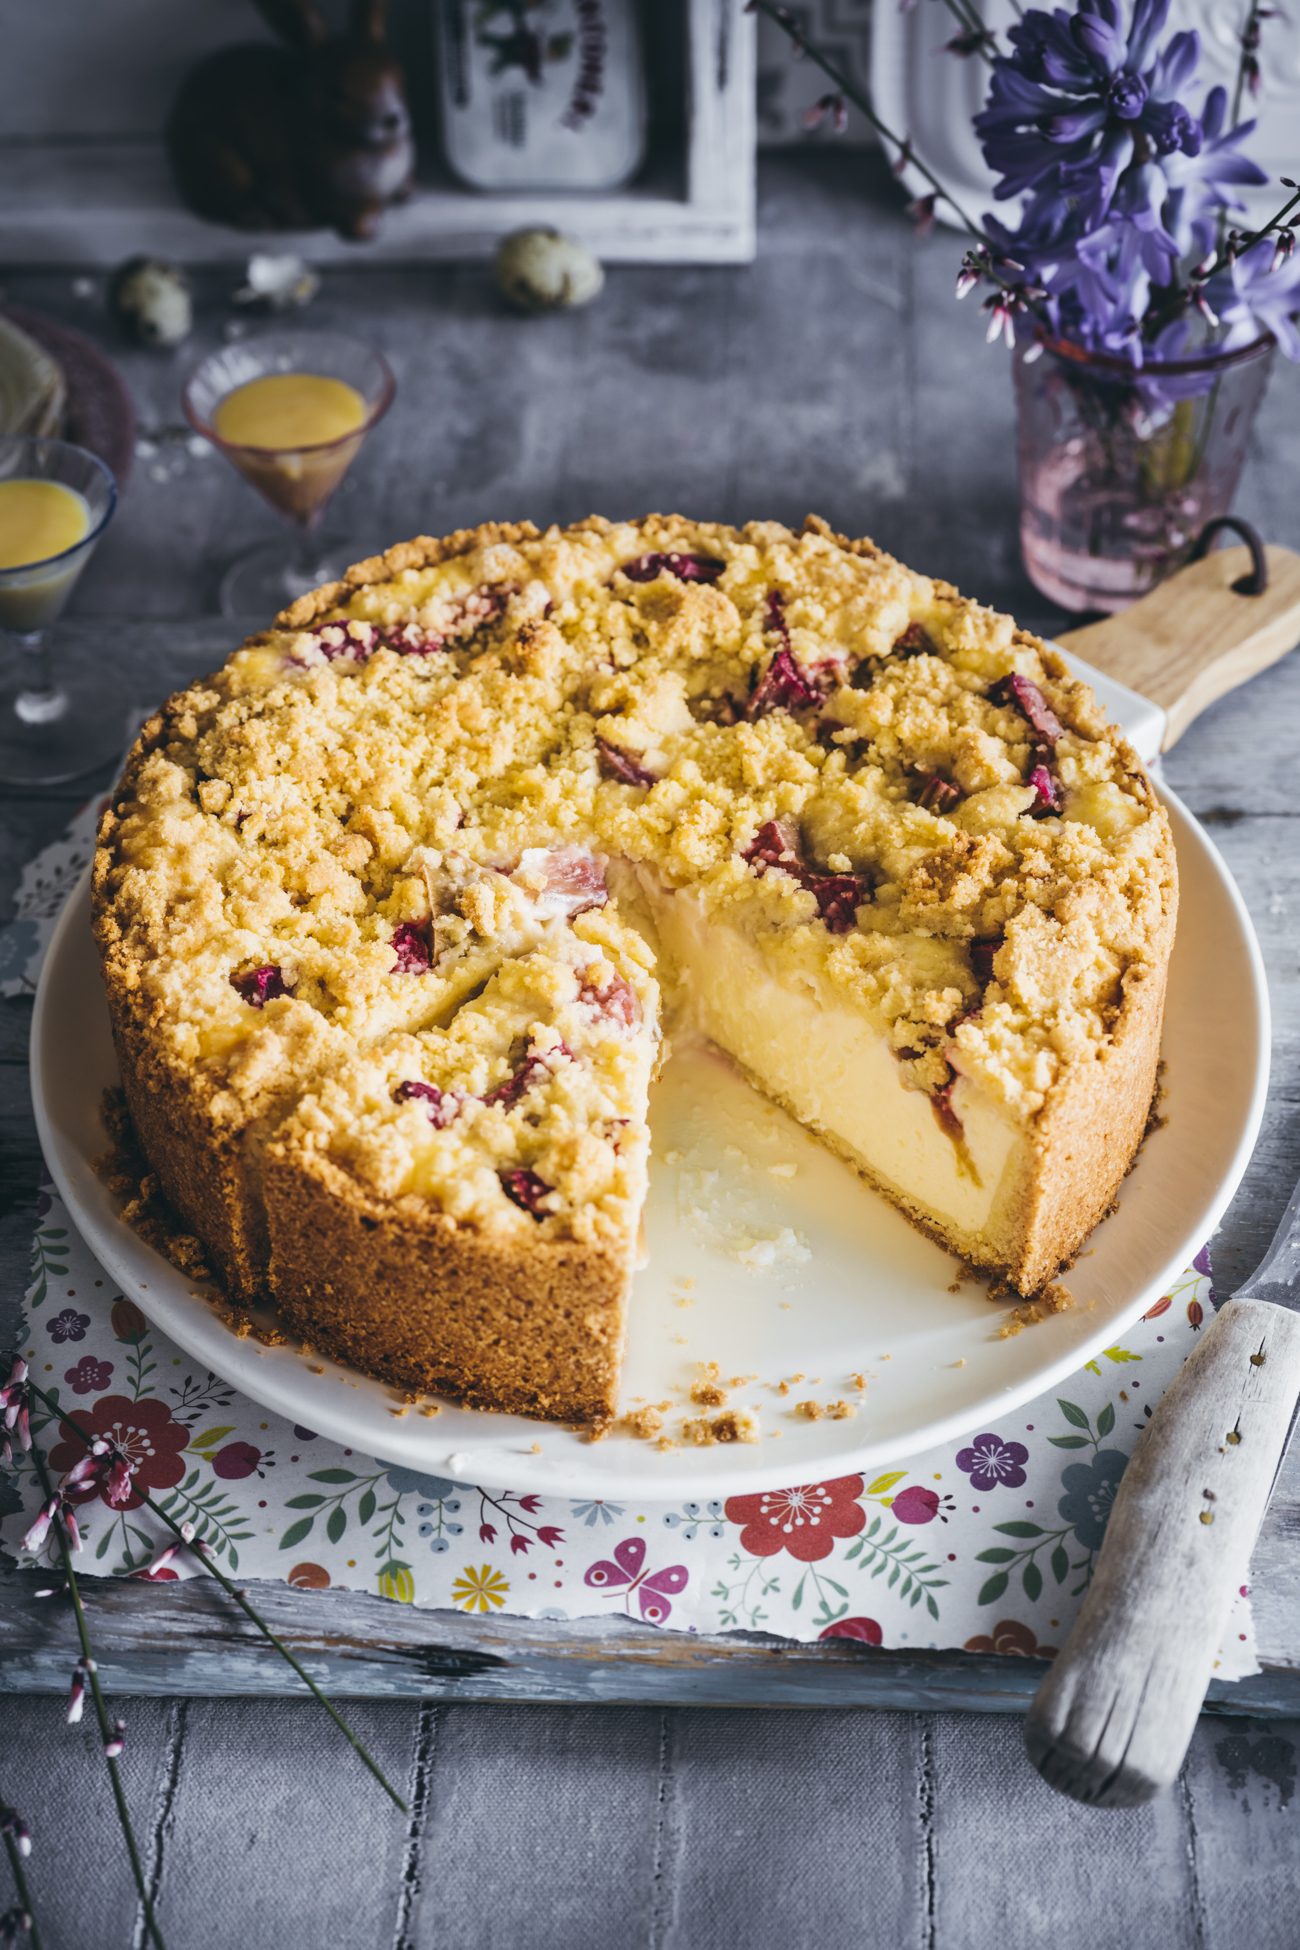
point(1009, 957)
point(531, 1327)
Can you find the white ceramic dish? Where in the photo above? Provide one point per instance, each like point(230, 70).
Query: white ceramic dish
point(849, 1287)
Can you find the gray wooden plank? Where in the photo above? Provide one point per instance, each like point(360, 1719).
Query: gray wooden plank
point(55, 1776)
point(543, 1828)
point(278, 1836)
point(789, 1831)
point(1239, 1791)
point(187, 1638)
point(1017, 1864)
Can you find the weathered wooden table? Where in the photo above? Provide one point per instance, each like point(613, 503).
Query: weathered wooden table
point(836, 375)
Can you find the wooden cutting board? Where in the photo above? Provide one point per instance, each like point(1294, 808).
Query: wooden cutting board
point(1200, 634)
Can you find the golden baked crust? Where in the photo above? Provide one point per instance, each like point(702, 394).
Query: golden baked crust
point(380, 1031)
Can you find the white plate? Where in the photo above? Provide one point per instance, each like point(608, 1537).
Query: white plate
point(853, 1289)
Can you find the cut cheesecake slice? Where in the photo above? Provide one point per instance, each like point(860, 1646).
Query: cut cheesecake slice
point(459, 1209)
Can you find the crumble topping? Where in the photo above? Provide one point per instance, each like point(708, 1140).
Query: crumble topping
point(357, 878)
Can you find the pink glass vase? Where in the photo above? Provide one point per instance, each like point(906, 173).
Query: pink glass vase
point(1120, 470)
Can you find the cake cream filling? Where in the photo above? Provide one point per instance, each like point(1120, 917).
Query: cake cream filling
point(835, 1070)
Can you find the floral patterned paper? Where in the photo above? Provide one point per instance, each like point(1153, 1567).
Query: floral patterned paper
point(987, 1543)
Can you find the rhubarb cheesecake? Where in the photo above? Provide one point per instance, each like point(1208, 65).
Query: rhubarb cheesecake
point(394, 908)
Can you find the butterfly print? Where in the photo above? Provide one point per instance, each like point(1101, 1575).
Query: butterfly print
point(655, 1590)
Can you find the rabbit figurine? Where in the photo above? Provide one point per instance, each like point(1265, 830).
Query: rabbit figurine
point(312, 133)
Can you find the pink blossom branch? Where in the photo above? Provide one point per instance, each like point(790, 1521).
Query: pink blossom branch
point(975, 37)
point(110, 1730)
point(184, 1534)
point(18, 1845)
point(845, 86)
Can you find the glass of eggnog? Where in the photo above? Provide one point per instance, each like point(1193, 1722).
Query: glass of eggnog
point(290, 411)
point(56, 500)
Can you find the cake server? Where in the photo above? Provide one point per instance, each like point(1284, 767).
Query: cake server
point(1111, 1722)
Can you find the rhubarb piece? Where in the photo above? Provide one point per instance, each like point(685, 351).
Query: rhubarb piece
point(357, 640)
point(571, 879)
point(937, 794)
point(524, 1188)
point(413, 948)
point(258, 986)
point(618, 764)
point(442, 1106)
point(1047, 791)
point(941, 1105)
point(618, 999)
point(838, 895)
point(786, 685)
point(915, 641)
point(1024, 694)
point(686, 568)
point(774, 617)
point(776, 844)
point(982, 950)
point(533, 1069)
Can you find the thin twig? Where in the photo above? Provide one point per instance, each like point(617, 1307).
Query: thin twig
point(15, 1855)
point(106, 1727)
point(1238, 90)
point(846, 87)
point(1275, 222)
point(967, 17)
point(1248, 41)
point(210, 1564)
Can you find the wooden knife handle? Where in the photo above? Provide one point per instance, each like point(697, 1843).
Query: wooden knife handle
point(1196, 637)
point(1111, 1721)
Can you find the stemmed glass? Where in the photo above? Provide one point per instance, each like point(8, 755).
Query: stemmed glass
point(47, 733)
point(298, 480)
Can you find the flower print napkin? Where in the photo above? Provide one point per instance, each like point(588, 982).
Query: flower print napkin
point(987, 1543)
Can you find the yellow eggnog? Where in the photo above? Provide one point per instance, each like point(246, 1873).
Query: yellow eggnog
point(39, 519)
point(297, 432)
point(39, 522)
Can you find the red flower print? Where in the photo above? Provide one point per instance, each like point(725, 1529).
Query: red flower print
point(151, 1441)
point(1010, 1636)
point(865, 1630)
point(89, 1375)
point(916, 1505)
point(805, 1522)
point(236, 1459)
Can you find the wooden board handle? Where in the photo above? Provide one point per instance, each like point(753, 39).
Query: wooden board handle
point(1195, 637)
point(1111, 1721)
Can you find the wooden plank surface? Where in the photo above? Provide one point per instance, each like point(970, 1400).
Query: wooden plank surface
point(838, 375)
